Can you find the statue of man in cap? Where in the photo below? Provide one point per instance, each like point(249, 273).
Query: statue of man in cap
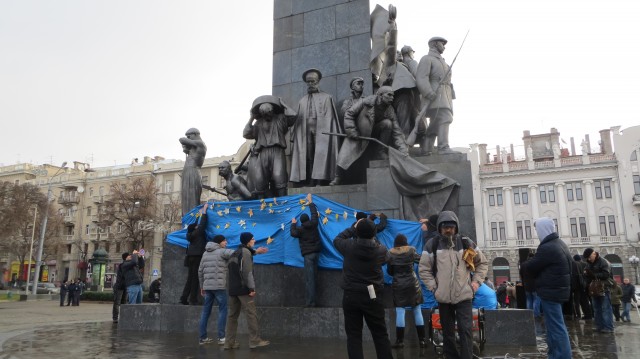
point(268, 124)
point(407, 59)
point(196, 151)
point(434, 83)
point(372, 116)
point(314, 154)
point(357, 88)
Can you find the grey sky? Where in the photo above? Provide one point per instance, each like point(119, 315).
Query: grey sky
point(107, 81)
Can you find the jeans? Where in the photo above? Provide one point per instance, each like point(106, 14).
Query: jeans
point(135, 294)
point(310, 275)
point(602, 312)
point(417, 316)
point(358, 305)
point(211, 296)
point(533, 302)
point(557, 335)
point(462, 314)
point(626, 311)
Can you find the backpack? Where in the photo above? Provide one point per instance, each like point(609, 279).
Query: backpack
point(466, 243)
point(235, 280)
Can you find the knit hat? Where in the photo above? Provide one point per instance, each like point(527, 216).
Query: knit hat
point(245, 237)
point(587, 253)
point(360, 215)
point(218, 238)
point(365, 228)
point(125, 255)
point(304, 217)
point(577, 258)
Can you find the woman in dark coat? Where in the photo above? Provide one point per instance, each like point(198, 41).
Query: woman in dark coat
point(406, 288)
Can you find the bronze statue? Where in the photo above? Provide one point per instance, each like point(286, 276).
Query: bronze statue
point(314, 153)
point(196, 151)
point(357, 87)
point(236, 186)
point(437, 94)
point(372, 117)
point(268, 169)
point(407, 59)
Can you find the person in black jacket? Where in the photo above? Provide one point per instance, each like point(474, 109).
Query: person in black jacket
point(197, 237)
point(64, 288)
point(72, 292)
point(119, 295)
point(362, 282)
point(131, 270)
point(551, 269)
point(599, 268)
point(310, 247)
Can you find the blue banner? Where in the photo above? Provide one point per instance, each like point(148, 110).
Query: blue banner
point(270, 221)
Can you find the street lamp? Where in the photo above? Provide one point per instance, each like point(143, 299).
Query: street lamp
point(43, 229)
point(33, 235)
point(634, 263)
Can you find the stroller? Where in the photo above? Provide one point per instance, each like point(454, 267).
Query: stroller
point(436, 336)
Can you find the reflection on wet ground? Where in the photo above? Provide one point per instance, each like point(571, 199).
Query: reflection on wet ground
point(103, 340)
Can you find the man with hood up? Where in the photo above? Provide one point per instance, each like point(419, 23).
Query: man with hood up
point(362, 282)
point(453, 269)
point(551, 270)
point(212, 274)
point(310, 247)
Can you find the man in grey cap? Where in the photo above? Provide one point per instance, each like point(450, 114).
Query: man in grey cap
point(433, 78)
point(314, 153)
point(357, 88)
point(407, 59)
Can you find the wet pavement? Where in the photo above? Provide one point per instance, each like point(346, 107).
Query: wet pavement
point(43, 329)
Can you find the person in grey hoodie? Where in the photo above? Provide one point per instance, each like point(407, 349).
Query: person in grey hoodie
point(453, 280)
point(212, 274)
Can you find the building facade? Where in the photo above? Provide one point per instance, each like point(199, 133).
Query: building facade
point(592, 198)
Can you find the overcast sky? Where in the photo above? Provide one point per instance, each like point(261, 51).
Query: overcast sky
point(106, 81)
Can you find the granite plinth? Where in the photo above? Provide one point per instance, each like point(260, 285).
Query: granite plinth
point(508, 327)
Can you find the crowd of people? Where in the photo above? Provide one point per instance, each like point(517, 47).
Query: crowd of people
point(71, 291)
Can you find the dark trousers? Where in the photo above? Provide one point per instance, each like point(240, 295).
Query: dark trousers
point(192, 286)
point(63, 295)
point(70, 298)
point(616, 311)
point(459, 314)
point(119, 297)
point(358, 305)
point(310, 276)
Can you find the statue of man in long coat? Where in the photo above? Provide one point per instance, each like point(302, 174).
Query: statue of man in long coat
point(314, 154)
point(196, 151)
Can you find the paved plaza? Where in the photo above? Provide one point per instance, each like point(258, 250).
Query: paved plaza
point(43, 329)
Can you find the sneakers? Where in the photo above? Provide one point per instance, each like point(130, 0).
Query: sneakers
point(206, 341)
point(230, 345)
point(261, 343)
point(221, 341)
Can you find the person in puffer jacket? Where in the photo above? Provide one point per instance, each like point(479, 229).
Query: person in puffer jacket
point(310, 247)
point(212, 275)
point(453, 282)
point(551, 270)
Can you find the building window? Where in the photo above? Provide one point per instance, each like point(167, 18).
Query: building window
point(607, 188)
point(90, 191)
point(89, 211)
point(569, 192)
point(634, 156)
point(499, 196)
point(118, 247)
point(551, 193)
point(168, 186)
point(555, 225)
point(101, 191)
point(578, 191)
point(636, 184)
point(516, 195)
point(527, 229)
point(525, 195)
point(574, 227)
point(603, 225)
point(69, 248)
point(583, 226)
point(543, 194)
point(612, 226)
point(494, 231)
point(86, 231)
point(519, 230)
point(598, 187)
point(205, 179)
point(492, 198)
point(503, 232)
point(107, 247)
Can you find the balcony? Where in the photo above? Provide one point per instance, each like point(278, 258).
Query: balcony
point(69, 219)
point(610, 239)
point(68, 237)
point(97, 199)
point(496, 244)
point(69, 199)
point(580, 240)
point(636, 199)
point(525, 243)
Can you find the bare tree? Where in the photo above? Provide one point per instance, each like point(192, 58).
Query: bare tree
point(17, 206)
point(133, 205)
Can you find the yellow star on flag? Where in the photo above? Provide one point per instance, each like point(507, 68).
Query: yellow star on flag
point(337, 216)
point(250, 212)
point(325, 220)
point(303, 208)
point(302, 201)
point(269, 240)
point(227, 225)
point(220, 213)
point(226, 210)
point(242, 222)
point(217, 226)
point(271, 211)
point(253, 224)
point(262, 206)
point(275, 201)
point(238, 209)
point(345, 215)
point(270, 205)
point(327, 211)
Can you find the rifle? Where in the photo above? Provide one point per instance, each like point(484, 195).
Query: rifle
point(213, 189)
point(411, 139)
point(237, 170)
point(358, 138)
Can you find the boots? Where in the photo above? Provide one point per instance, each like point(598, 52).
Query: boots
point(421, 336)
point(399, 338)
point(426, 145)
point(443, 139)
